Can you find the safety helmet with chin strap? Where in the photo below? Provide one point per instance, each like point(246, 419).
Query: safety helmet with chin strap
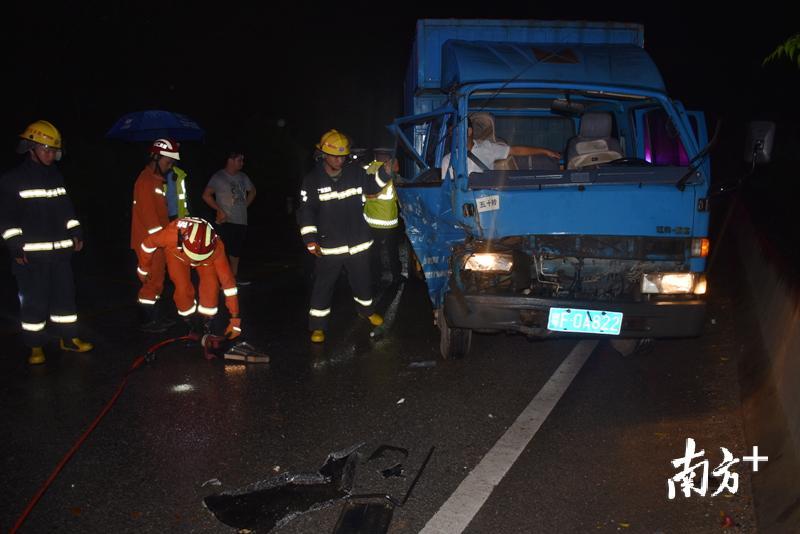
point(42, 133)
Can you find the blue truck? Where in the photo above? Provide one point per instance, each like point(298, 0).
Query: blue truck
point(609, 240)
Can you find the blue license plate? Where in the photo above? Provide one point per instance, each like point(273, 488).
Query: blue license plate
point(584, 321)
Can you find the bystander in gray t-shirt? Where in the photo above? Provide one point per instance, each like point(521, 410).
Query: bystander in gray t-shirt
point(230, 194)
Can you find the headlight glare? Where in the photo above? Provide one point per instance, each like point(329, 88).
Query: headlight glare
point(670, 283)
point(489, 262)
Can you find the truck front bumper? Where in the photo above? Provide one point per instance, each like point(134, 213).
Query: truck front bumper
point(529, 315)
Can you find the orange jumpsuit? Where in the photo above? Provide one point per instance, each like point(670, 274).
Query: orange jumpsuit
point(215, 271)
point(149, 215)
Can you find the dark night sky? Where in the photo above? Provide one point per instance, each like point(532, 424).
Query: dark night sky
point(237, 68)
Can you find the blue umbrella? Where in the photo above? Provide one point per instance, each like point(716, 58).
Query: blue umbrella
point(154, 124)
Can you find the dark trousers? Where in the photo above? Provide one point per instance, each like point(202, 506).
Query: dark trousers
point(385, 239)
point(326, 274)
point(46, 292)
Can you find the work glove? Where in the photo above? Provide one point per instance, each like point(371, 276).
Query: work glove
point(313, 248)
point(234, 329)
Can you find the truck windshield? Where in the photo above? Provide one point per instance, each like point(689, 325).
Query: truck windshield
point(613, 141)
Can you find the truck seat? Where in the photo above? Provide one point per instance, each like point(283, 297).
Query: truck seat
point(593, 144)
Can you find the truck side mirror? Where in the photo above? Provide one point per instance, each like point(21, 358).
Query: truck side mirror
point(760, 140)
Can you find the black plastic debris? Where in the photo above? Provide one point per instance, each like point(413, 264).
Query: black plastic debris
point(372, 513)
point(396, 470)
point(275, 501)
point(364, 518)
point(381, 451)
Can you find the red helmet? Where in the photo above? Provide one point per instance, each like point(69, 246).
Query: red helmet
point(165, 147)
point(198, 238)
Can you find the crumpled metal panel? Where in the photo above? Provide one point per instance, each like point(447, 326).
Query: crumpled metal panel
point(432, 232)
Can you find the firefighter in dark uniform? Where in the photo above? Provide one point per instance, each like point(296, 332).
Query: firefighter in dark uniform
point(38, 224)
point(333, 228)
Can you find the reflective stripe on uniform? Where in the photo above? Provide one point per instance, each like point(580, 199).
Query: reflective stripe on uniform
point(43, 193)
point(379, 222)
point(360, 248)
point(72, 223)
point(207, 311)
point(303, 196)
point(237, 329)
point(388, 195)
point(50, 245)
point(319, 313)
point(339, 195)
point(12, 232)
point(64, 319)
point(378, 180)
point(363, 302)
point(33, 327)
point(161, 191)
point(230, 292)
point(344, 249)
point(308, 230)
point(188, 311)
point(154, 230)
point(146, 301)
point(148, 249)
point(140, 271)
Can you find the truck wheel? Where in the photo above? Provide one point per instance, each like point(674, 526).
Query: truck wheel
point(454, 343)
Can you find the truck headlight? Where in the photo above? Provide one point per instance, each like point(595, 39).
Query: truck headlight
point(489, 262)
point(674, 283)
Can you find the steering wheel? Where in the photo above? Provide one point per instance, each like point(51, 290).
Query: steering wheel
point(629, 161)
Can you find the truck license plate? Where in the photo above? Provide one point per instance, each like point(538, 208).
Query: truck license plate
point(584, 321)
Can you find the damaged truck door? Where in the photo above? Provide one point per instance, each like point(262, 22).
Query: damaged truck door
point(551, 186)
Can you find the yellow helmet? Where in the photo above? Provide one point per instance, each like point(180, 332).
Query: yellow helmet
point(334, 143)
point(44, 133)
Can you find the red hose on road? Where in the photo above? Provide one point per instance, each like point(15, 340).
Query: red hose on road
point(136, 363)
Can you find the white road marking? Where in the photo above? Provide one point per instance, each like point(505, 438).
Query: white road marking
point(457, 512)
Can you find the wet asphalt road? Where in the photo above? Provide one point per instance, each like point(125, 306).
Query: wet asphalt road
point(185, 428)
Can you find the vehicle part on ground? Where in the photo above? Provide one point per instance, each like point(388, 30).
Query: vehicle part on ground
point(271, 503)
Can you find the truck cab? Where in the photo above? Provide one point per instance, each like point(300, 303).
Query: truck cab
point(608, 240)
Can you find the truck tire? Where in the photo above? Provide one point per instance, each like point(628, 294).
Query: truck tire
point(454, 343)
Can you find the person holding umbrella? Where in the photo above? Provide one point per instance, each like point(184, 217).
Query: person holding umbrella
point(148, 216)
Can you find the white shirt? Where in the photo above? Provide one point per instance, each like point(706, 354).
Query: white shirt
point(487, 151)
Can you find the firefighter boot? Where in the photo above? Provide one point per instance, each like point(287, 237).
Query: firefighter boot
point(37, 356)
point(75, 344)
point(148, 320)
point(317, 336)
point(164, 315)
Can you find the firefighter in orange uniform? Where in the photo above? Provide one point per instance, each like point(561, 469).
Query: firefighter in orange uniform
point(148, 216)
point(191, 243)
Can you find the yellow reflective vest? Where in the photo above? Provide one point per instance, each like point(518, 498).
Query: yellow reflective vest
point(381, 210)
point(180, 186)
